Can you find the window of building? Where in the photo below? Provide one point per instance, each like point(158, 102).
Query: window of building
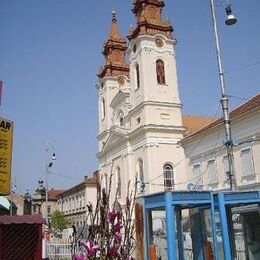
point(120, 118)
point(137, 75)
point(134, 48)
point(121, 121)
point(49, 210)
point(160, 72)
point(103, 108)
point(197, 174)
point(140, 176)
point(168, 177)
point(118, 182)
point(247, 162)
point(212, 171)
point(140, 170)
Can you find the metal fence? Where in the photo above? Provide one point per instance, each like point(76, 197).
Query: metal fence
point(55, 251)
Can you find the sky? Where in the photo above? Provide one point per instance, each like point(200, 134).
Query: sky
point(50, 52)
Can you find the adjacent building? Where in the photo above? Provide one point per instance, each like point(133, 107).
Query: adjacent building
point(39, 203)
point(15, 204)
point(207, 163)
point(73, 202)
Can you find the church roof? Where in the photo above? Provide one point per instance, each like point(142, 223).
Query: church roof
point(194, 123)
point(246, 107)
point(149, 20)
point(114, 51)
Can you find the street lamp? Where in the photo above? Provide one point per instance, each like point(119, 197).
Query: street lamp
point(224, 97)
point(231, 19)
point(50, 156)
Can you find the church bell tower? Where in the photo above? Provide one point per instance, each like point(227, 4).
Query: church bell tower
point(152, 64)
point(113, 76)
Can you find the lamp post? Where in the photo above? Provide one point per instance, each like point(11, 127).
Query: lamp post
point(50, 150)
point(224, 97)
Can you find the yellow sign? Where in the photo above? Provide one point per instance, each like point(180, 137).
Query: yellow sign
point(6, 142)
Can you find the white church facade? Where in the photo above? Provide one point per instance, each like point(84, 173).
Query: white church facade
point(140, 118)
point(143, 135)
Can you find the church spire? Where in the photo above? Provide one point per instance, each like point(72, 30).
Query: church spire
point(114, 52)
point(148, 15)
point(114, 34)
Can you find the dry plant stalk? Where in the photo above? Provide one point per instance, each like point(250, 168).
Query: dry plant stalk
point(110, 225)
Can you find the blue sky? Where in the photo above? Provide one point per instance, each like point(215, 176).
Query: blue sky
point(50, 54)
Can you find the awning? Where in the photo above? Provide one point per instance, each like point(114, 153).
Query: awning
point(24, 219)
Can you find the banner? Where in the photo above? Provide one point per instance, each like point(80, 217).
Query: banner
point(6, 143)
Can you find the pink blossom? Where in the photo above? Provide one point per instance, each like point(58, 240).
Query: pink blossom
point(112, 216)
point(79, 256)
point(118, 237)
point(91, 248)
point(117, 227)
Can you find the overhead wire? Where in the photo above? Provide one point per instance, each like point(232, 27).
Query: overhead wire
point(246, 66)
point(203, 173)
point(65, 176)
point(239, 98)
point(192, 150)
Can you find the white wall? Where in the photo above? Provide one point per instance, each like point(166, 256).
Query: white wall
point(209, 145)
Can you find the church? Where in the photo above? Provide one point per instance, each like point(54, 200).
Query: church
point(140, 112)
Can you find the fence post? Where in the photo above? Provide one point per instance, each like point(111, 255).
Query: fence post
point(224, 226)
point(170, 223)
point(44, 249)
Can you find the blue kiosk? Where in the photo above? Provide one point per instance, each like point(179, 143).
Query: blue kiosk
point(202, 225)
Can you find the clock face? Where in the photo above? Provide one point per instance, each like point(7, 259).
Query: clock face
point(159, 42)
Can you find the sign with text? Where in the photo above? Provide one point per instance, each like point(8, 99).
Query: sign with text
point(6, 143)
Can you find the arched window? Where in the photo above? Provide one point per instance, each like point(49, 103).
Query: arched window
point(137, 75)
point(140, 176)
point(103, 108)
point(121, 121)
point(168, 177)
point(160, 72)
point(118, 182)
point(140, 170)
point(120, 118)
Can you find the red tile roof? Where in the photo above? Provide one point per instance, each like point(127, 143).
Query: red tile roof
point(87, 181)
point(194, 123)
point(53, 194)
point(250, 105)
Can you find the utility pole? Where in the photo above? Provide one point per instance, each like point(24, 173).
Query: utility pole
point(224, 97)
point(48, 164)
